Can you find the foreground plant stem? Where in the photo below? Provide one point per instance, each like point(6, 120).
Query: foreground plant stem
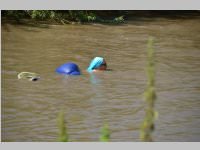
point(105, 134)
point(147, 126)
point(63, 136)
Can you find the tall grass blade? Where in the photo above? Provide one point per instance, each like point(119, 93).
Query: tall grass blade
point(63, 136)
point(105, 134)
point(147, 126)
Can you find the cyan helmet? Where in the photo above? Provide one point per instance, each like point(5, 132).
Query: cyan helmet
point(95, 63)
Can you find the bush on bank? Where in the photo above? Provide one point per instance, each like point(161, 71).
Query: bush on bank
point(66, 16)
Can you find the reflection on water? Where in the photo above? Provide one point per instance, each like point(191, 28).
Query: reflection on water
point(29, 109)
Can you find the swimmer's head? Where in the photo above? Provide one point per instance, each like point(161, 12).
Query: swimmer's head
point(103, 66)
point(98, 63)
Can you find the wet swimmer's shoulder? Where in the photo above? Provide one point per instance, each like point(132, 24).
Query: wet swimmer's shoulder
point(98, 64)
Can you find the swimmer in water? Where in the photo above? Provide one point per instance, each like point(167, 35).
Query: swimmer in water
point(97, 64)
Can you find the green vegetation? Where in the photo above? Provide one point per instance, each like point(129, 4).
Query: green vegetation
point(66, 16)
point(63, 136)
point(150, 96)
point(91, 16)
point(105, 134)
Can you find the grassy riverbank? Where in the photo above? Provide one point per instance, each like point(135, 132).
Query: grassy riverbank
point(89, 16)
point(65, 16)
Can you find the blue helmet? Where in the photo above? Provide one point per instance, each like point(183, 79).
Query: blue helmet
point(69, 68)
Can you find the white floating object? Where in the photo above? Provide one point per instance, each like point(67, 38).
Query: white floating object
point(28, 75)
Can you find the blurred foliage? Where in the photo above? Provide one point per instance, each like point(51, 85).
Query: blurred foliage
point(63, 136)
point(98, 16)
point(147, 126)
point(66, 16)
point(105, 134)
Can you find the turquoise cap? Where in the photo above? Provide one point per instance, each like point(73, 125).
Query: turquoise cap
point(95, 63)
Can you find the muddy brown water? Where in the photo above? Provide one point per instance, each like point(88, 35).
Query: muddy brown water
point(30, 109)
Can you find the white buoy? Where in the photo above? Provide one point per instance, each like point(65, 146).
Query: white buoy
point(28, 75)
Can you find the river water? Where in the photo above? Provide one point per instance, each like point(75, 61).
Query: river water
point(30, 109)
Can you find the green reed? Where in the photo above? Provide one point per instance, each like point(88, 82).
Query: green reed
point(63, 136)
point(105, 134)
point(147, 126)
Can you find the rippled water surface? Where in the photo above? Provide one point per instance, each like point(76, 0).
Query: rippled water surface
point(30, 109)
